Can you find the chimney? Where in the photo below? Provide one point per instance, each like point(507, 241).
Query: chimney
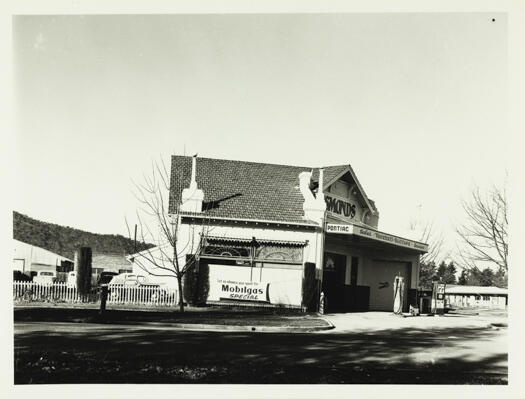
point(320, 193)
point(192, 197)
point(313, 207)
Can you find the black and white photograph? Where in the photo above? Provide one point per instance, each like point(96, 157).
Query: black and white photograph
point(314, 198)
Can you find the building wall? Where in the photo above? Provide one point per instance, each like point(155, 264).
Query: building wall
point(285, 281)
point(366, 259)
point(374, 265)
point(247, 232)
point(346, 192)
point(29, 258)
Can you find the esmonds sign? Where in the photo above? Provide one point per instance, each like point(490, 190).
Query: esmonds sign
point(243, 290)
point(340, 207)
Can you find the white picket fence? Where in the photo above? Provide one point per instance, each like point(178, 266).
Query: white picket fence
point(143, 295)
point(27, 291)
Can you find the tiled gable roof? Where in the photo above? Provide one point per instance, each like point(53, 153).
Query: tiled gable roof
point(330, 172)
point(244, 190)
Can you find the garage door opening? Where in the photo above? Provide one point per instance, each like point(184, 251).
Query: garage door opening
point(381, 277)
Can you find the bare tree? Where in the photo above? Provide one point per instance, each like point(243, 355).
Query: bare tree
point(177, 247)
point(484, 234)
point(428, 235)
point(425, 231)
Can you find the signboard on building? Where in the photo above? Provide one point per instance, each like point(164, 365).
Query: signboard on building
point(242, 290)
point(340, 207)
point(375, 235)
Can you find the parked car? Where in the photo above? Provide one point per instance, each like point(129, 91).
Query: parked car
point(127, 279)
point(45, 277)
point(119, 284)
point(19, 276)
point(105, 277)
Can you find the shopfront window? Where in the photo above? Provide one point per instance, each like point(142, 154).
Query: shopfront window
point(266, 252)
point(228, 251)
point(254, 251)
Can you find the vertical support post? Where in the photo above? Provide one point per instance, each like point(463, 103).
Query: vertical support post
point(103, 297)
point(84, 271)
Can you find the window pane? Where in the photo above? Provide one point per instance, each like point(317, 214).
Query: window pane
point(279, 252)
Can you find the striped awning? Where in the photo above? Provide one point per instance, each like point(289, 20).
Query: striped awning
point(238, 240)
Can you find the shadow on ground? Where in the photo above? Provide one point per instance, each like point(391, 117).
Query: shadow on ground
point(95, 354)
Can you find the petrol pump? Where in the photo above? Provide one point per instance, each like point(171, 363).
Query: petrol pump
point(438, 298)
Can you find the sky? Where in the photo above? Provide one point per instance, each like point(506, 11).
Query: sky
point(415, 103)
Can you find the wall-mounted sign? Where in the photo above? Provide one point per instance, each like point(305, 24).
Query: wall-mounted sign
point(329, 263)
point(339, 228)
point(242, 290)
point(340, 207)
point(375, 235)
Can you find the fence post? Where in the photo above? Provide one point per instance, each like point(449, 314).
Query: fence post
point(103, 297)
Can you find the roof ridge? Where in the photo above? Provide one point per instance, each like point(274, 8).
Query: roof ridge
point(247, 162)
point(344, 165)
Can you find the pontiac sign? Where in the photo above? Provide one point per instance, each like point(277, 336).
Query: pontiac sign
point(375, 235)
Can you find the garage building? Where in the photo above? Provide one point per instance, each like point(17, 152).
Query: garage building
point(263, 227)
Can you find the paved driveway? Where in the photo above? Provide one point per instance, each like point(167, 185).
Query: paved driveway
point(376, 321)
point(428, 340)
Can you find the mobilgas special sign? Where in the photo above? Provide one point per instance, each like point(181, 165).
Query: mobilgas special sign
point(375, 235)
point(242, 290)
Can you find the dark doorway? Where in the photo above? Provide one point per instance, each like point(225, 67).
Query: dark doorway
point(334, 270)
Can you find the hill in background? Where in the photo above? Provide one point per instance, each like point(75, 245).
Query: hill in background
point(65, 240)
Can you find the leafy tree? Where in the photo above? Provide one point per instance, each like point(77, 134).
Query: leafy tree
point(447, 273)
point(441, 270)
point(463, 278)
point(84, 271)
point(484, 278)
point(450, 276)
point(501, 279)
point(427, 273)
point(196, 282)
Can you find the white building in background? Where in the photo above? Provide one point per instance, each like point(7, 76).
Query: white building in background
point(29, 258)
point(471, 296)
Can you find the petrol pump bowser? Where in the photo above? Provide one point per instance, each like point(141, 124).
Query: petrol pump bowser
point(438, 298)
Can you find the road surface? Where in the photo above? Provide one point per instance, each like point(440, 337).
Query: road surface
point(80, 353)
